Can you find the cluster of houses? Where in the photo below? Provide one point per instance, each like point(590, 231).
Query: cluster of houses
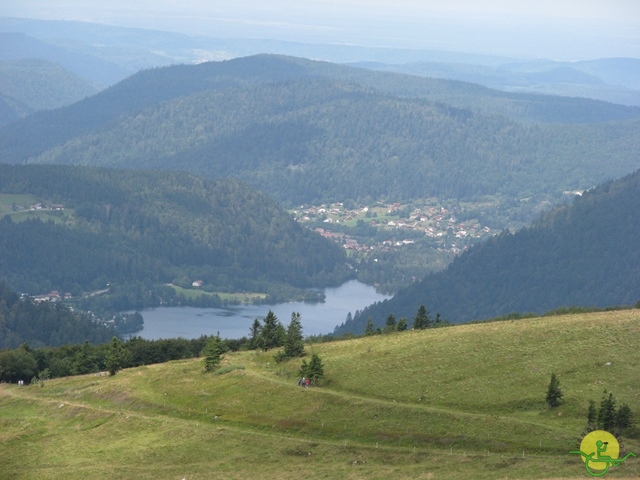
point(52, 207)
point(52, 296)
point(435, 222)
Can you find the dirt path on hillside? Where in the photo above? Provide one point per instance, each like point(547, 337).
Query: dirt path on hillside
point(400, 405)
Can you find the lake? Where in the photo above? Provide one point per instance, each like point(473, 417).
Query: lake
point(235, 321)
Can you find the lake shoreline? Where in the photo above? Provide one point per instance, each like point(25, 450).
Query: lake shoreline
point(318, 318)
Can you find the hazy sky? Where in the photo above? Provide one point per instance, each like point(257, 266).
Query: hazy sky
point(562, 29)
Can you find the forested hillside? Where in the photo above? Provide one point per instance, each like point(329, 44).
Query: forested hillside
point(76, 229)
point(305, 131)
point(584, 254)
point(44, 324)
point(38, 85)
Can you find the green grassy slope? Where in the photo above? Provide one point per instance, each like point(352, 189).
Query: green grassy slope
point(459, 402)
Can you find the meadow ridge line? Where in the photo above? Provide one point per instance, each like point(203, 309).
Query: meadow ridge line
point(413, 406)
point(20, 393)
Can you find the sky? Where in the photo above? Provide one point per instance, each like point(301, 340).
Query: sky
point(560, 29)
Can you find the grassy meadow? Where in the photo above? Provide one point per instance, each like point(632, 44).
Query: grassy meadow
point(464, 402)
point(18, 207)
point(242, 297)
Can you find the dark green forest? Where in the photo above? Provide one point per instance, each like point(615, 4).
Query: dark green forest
point(136, 231)
point(312, 132)
point(45, 324)
point(584, 254)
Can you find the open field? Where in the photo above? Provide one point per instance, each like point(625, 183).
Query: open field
point(241, 297)
point(19, 207)
point(459, 402)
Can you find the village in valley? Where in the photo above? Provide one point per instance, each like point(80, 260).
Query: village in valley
point(386, 227)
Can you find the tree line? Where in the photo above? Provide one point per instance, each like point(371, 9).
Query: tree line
point(33, 364)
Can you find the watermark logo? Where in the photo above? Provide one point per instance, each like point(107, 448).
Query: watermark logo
point(600, 450)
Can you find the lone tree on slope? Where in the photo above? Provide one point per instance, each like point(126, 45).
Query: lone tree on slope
point(212, 352)
point(554, 393)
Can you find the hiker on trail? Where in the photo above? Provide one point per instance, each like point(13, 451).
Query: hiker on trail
point(300, 381)
point(308, 382)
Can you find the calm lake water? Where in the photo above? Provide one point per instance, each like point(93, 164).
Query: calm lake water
point(234, 322)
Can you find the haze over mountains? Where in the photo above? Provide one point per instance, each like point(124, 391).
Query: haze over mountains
point(106, 54)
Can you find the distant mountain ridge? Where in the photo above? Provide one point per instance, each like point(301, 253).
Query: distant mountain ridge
point(611, 79)
point(33, 85)
point(18, 46)
point(307, 131)
point(132, 49)
point(583, 254)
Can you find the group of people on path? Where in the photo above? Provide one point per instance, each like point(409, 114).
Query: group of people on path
point(304, 382)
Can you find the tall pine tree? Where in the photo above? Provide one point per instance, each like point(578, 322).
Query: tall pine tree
point(390, 325)
point(254, 334)
point(272, 332)
point(212, 352)
point(294, 342)
point(554, 394)
point(607, 413)
point(422, 319)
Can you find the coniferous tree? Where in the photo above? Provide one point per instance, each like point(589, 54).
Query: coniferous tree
point(212, 352)
point(402, 324)
point(607, 417)
point(624, 417)
point(422, 319)
point(369, 329)
point(254, 334)
point(607, 413)
point(294, 341)
point(315, 371)
point(116, 356)
point(390, 325)
point(350, 317)
point(554, 393)
point(272, 333)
